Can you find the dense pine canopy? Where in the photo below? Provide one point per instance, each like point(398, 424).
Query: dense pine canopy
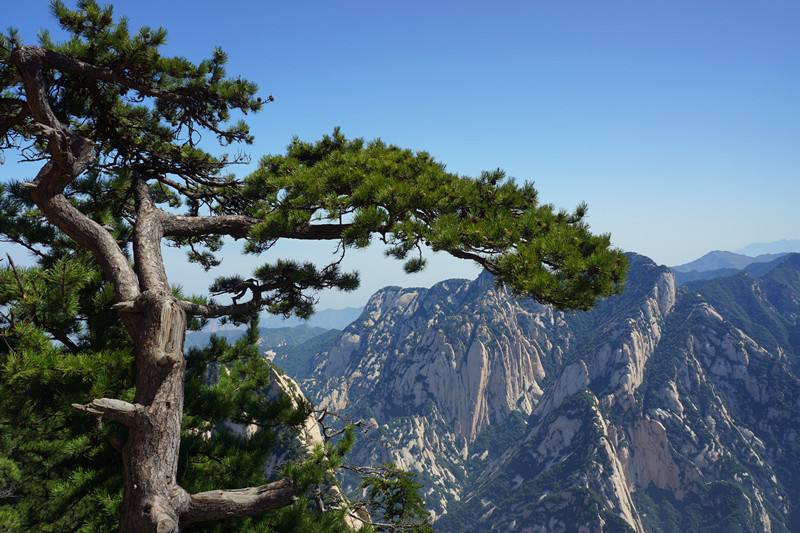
point(408, 199)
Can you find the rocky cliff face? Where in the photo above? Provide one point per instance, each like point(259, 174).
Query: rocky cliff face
point(433, 368)
point(668, 419)
point(662, 409)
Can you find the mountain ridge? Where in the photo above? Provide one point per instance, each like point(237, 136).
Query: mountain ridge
point(780, 246)
point(721, 260)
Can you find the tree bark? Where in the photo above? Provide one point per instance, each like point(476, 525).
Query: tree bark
point(220, 504)
point(152, 499)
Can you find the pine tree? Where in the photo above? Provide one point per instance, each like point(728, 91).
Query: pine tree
point(117, 125)
point(63, 474)
point(60, 471)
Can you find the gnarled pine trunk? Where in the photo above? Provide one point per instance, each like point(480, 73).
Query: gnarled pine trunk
point(152, 498)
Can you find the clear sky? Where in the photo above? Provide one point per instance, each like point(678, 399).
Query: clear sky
point(678, 122)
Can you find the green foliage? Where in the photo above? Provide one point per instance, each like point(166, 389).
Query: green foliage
point(19, 222)
point(143, 111)
point(226, 385)
point(297, 518)
point(283, 287)
point(213, 455)
point(322, 463)
point(50, 296)
point(205, 96)
point(396, 493)
point(70, 472)
point(60, 472)
point(235, 395)
point(58, 468)
point(408, 199)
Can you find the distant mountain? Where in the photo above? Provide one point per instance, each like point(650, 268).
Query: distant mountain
point(296, 358)
point(775, 247)
point(755, 269)
point(324, 318)
point(720, 260)
point(270, 338)
point(664, 409)
point(698, 275)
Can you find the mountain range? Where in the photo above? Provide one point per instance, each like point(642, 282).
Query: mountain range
point(774, 247)
point(668, 408)
point(720, 263)
point(719, 260)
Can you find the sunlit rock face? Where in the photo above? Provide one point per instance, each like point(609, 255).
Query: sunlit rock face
point(676, 411)
point(477, 352)
point(436, 367)
point(662, 409)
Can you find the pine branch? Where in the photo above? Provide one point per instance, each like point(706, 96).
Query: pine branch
point(111, 409)
point(71, 156)
point(213, 311)
point(220, 504)
point(238, 226)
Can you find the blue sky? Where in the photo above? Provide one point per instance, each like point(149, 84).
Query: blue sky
point(678, 122)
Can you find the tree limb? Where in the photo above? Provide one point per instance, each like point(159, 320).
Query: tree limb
point(92, 237)
point(147, 233)
point(21, 241)
point(490, 266)
point(220, 504)
point(64, 339)
point(87, 70)
point(187, 96)
point(237, 226)
point(212, 311)
point(70, 156)
point(112, 409)
point(317, 232)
